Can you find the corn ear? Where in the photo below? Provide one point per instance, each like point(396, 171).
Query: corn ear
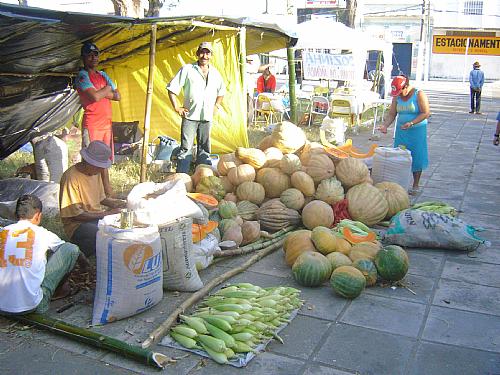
point(195, 323)
point(185, 341)
point(218, 357)
point(213, 343)
point(221, 335)
point(217, 322)
point(185, 330)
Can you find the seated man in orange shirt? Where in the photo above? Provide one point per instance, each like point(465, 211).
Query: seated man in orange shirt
point(266, 82)
point(82, 200)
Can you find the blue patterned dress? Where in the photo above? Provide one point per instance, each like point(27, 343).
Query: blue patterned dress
point(415, 137)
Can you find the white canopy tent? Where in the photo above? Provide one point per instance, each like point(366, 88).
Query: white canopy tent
point(323, 34)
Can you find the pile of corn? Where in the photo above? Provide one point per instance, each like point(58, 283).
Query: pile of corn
point(236, 319)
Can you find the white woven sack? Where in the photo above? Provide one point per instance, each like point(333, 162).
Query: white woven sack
point(179, 267)
point(393, 165)
point(129, 270)
point(51, 157)
point(159, 204)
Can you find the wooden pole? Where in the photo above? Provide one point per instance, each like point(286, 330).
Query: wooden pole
point(160, 331)
point(149, 99)
point(291, 84)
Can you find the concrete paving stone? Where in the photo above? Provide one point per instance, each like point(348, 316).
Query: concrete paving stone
point(472, 271)
point(315, 369)
point(469, 297)
point(41, 358)
point(385, 314)
point(425, 263)
point(361, 349)
point(481, 206)
point(444, 195)
point(482, 253)
point(480, 188)
point(273, 264)
point(321, 302)
point(451, 175)
point(185, 362)
point(462, 328)
point(262, 280)
point(300, 336)
point(262, 364)
point(420, 285)
point(456, 185)
point(438, 359)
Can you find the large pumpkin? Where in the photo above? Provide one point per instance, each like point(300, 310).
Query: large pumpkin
point(348, 281)
point(296, 243)
point(240, 174)
point(364, 250)
point(250, 231)
point(201, 171)
point(366, 204)
point(368, 269)
point(311, 269)
point(211, 185)
point(319, 167)
point(293, 198)
point(247, 210)
point(392, 263)
point(330, 191)
point(253, 156)
point(302, 181)
point(274, 216)
point(290, 163)
point(324, 240)
point(227, 209)
point(274, 156)
point(226, 162)
point(251, 191)
point(310, 149)
point(228, 186)
point(396, 196)
point(274, 181)
point(351, 171)
point(288, 137)
point(337, 260)
point(317, 214)
point(265, 143)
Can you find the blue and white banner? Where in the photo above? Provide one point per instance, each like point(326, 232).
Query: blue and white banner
point(328, 66)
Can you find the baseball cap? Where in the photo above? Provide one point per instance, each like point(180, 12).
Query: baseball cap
point(205, 45)
point(98, 154)
point(89, 47)
point(397, 85)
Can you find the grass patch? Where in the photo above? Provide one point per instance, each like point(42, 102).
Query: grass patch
point(11, 163)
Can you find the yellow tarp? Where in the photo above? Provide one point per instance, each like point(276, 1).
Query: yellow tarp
point(131, 74)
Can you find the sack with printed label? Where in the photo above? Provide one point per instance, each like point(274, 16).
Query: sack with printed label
point(417, 228)
point(129, 270)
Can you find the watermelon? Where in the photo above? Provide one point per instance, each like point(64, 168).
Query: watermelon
point(338, 259)
point(392, 263)
point(311, 269)
point(368, 269)
point(348, 281)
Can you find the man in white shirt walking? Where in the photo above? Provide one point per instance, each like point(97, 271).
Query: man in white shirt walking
point(203, 91)
point(27, 280)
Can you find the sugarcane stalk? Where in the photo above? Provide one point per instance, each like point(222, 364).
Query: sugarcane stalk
point(254, 246)
point(89, 337)
point(164, 327)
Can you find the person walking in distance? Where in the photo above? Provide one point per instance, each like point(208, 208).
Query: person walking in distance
point(476, 80)
point(203, 91)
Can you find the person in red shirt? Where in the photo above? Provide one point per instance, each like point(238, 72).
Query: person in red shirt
point(96, 90)
point(266, 82)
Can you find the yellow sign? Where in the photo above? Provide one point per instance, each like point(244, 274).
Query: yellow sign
point(456, 45)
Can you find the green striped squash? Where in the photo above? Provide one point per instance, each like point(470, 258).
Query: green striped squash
point(247, 210)
point(337, 260)
point(311, 269)
point(227, 209)
point(368, 269)
point(392, 263)
point(348, 281)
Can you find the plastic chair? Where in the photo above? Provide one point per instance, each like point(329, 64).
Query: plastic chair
point(319, 106)
point(342, 108)
point(264, 108)
point(321, 91)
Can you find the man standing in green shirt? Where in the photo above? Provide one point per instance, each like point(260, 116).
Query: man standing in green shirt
point(203, 91)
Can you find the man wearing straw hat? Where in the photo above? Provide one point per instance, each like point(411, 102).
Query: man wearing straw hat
point(82, 200)
point(203, 90)
point(476, 80)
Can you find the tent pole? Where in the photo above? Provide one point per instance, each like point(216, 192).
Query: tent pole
point(291, 84)
point(149, 99)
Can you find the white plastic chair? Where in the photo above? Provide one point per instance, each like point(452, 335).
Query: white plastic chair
point(320, 105)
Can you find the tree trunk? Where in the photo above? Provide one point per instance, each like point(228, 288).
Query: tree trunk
point(127, 8)
point(154, 8)
point(348, 15)
point(23, 3)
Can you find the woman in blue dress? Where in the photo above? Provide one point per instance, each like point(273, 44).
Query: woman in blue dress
point(411, 107)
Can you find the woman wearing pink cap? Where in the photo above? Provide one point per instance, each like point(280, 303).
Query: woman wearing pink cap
point(411, 106)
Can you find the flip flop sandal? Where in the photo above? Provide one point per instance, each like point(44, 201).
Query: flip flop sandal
point(414, 191)
point(496, 141)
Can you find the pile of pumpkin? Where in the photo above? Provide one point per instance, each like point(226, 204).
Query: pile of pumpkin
point(321, 254)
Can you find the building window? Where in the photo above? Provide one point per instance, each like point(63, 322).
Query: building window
point(473, 7)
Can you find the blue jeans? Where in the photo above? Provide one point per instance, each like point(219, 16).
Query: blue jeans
point(189, 130)
point(475, 100)
point(84, 237)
